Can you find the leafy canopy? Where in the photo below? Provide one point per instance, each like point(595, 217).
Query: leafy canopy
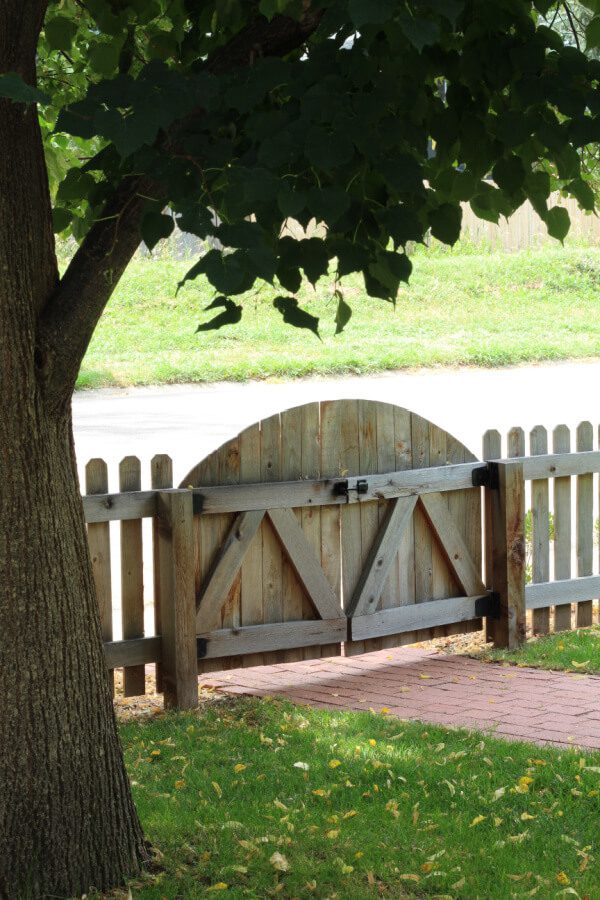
point(378, 124)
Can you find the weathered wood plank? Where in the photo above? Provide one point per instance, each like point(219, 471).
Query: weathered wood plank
point(491, 449)
point(319, 492)
point(132, 577)
point(305, 563)
point(561, 443)
point(278, 636)
point(310, 516)
point(429, 614)
point(423, 537)
point(119, 507)
point(224, 569)
point(133, 652)
point(572, 590)
point(293, 595)
point(96, 482)
point(179, 664)
point(451, 542)
point(330, 466)
point(352, 546)
point(270, 464)
point(161, 473)
point(557, 465)
point(406, 550)
point(369, 512)
point(229, 473)
point(508, 555)
point(540, 522)
point(444, 583)
point(386, 462)
point(585, 523)
point(251, 593)
point(381, 557)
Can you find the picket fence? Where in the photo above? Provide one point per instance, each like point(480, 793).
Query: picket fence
point(340, 527)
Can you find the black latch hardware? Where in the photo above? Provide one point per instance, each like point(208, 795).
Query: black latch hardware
point(342, 488)
point(486, 476)
point(198, 503)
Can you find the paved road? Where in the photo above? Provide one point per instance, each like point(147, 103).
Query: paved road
point(188, 421)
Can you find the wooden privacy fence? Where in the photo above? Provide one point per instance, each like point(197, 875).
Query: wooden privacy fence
point(344, 526)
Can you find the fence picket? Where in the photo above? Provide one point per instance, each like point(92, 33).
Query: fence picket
point(540, 525)
point(369, 512)
point(491, 449)
point(386, 462)
point(270, 466)
point(561, 443)
point(161, 475)
point(251, 591)
point(331, 464)
point(293, 595)
point(585, 522)
point(132, 577)
point(96, 482)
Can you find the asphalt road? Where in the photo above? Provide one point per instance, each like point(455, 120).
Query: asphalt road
point(188, 421)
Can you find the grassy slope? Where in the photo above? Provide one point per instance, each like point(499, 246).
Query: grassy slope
point(461, 308)
point(576, 651)
point(382, 807)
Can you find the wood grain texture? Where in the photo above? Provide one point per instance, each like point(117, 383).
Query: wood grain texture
point(132, 577)
point(585, 523)
point(331, 466)
point(251, 589)
point(561, 443)
point(572, 590)
point(430, 614)
point(278, 637)
point(179, 661)
point(293, 594)
point(96, 482)
point(540, 526)
point(491, 449)
point(369, 512)
point(161, 473)
point(508, 555)
point(270, 464)
point(457, 554)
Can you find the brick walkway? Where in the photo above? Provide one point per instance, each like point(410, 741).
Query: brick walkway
point(413, 683)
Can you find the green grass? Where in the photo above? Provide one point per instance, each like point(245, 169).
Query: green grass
point(255, 798)
point(576, 651)
point(462, 308)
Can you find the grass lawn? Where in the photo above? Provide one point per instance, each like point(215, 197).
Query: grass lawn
point(252, 798)
point(461, 308)
point(576, 651)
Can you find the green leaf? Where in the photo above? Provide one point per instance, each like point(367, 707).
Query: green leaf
point(420, 32)
point(104, 58)
point(509, 174)
point(445, 222)
point(343, 314)
point(389, 270)
point(583, 193)
point(60, 32)
point(61, 219)
point(592, 34)
point(231, 315)
point(13, 87)
point(156, 227)
point(294, 315)
point(402, 224)
point(371, 12)
point(558, 223)
point(328, 204)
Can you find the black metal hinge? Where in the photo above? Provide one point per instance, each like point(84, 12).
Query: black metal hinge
point(488, 605)
point(486, 476)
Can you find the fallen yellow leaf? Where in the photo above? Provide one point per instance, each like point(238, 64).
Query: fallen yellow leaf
point(219, 886)
point(477, 821)
point(334, 763)
point(427, 867)
point(332, 834)
point(372, 742)
point(580, 665)
point(525, 817)
point(179, 784)
point(563, 878)
point(279, 862)
point(217, 789)
point(240, 767)
point(415, 878)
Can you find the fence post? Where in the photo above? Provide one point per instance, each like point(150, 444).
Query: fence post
point(174, 532)
point(505, 553)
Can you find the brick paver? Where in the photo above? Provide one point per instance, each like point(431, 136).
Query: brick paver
point(415, 683)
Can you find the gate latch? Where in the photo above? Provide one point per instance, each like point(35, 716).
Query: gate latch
point(342, 488)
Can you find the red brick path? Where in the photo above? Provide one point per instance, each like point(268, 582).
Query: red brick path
point(413, 683)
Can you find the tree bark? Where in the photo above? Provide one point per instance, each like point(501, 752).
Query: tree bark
point(67, 819)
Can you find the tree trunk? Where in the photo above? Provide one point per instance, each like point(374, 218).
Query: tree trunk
point(67, 819)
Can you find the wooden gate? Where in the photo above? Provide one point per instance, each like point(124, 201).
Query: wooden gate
point(319, 526)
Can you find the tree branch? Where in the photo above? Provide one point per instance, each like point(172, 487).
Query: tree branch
point(71, 314)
